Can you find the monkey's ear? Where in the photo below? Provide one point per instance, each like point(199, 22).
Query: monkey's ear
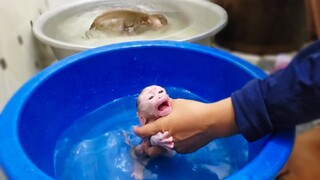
point(142, 119)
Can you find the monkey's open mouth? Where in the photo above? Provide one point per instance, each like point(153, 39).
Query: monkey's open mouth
point(163, 106)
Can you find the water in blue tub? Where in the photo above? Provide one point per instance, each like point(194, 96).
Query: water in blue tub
point(94, 148)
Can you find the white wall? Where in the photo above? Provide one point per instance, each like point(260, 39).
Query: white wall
point(21, 56)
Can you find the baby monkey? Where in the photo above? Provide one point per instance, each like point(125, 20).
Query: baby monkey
point(152, 103)
point(127, 22)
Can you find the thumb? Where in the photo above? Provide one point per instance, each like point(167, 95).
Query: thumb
point(146, 130)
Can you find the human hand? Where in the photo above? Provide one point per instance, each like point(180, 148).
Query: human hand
point(162, 139)
point(193, 124)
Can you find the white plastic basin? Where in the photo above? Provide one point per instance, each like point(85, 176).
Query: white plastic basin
point(64, 28)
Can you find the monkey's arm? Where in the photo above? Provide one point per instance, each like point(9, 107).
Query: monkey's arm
point(126, 139)
point(152, 151)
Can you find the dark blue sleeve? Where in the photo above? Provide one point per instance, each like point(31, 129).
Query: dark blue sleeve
point(282, 100)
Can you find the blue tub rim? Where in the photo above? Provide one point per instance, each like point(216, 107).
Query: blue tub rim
point(10, 138)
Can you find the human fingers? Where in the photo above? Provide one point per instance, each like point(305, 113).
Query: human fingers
point(165, 134)
point(192, 144)
point(147, 130)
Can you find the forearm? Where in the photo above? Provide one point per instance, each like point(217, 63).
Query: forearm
point(282, 100)
point(221, 118)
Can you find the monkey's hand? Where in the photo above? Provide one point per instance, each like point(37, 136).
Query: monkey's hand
point(138, 171)
point(162, 139)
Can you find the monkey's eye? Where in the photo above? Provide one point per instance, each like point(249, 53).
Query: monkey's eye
point(161, 91)
point(151, 97)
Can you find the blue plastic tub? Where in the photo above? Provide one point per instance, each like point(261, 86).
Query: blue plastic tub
point(46, 105)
